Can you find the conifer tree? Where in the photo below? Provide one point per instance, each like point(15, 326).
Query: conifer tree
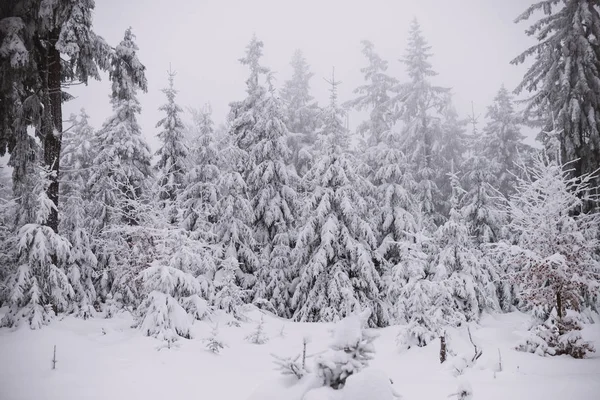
point(418, 105)
point(76, 162)
point(502, 142)
point(274, 202)
point(120, 172)
point(201, 191)
point(335, 249)
point(563, 78)
point(301, 113)
point(37, 37)
point(375, 95)
point(459, 264)
point(172, 154)
point(40, 287)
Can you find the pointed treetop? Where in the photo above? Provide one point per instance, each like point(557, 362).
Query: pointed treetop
point(417, 54)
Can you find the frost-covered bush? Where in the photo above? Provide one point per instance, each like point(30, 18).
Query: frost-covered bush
point(162, 313)
point(258, 336)
point(214, 344)
point(553, 252)
point(39, 287)
point(350, 352)
point(296, 365)
point(557, 336)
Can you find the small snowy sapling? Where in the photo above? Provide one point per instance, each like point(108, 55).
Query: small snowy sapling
point(258, 336)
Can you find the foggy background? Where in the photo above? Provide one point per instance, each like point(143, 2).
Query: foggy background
point(472, 41)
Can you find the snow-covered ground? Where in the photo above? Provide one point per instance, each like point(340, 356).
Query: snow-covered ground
point(106, 359)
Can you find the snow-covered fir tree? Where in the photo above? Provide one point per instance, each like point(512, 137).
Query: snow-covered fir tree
point(171, 164)
point(37, 38)
point(120, 172)
point(200, 194)
point(301, 113)
point(563, 78)
point(460, 266)
point(419, 104)
point(335, 251)
point(271, 185)
point(169, 290)
point(397, 218)
point(374, 95)
point(502, 142)
point(40, 287)
point(350, 351)
point(76, 162)
point(229, 296)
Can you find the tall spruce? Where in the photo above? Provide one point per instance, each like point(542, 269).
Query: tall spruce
point(301, 113)
point(335, 252)
point(271, 185)
point(120, 172)
point(563, 78)
point(171, 164)
point(38, 37)
point(419, 104)
point(374, 95)
point(502, 142)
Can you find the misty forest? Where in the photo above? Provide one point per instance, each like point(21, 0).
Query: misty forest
point(383, 220)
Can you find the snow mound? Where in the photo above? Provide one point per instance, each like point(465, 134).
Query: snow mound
point(371, 384)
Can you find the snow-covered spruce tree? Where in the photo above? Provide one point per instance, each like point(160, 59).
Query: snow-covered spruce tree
point(162, 313)
point(37, 36)
point(301, 113)
point(375, 95)
point(199, 196)
point(480, 210)
point(271, 185)
point(234, 210)
point(397, 213)
point(171, 164)
point(423, 306)
point(502, 142)
point(229, 296)
point(120, 172)
point(76, 160)
point(334, 252)
point(418, 104)
point(563, 78)
point(450, 153)
point(40, 287)
point(460, 266)
point(552, 252)
point(350, 351)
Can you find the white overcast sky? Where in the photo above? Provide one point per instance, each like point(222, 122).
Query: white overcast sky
point(472, 41)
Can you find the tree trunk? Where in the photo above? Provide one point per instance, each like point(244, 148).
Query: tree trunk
point(559, 305)
point(443, 348)
point(53, 134)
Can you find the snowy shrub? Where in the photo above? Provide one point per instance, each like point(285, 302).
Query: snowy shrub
point(213, 343)
point(552, 255)
point(258, 336)
point(162, 313)
point(229, 296)
point(557, 336)
point(40, 286)
point(350, 352)
point(464, 391)
point(293, 365)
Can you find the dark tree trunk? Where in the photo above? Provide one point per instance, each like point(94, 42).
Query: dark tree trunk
point(443, 349)
point(559, 305)
point(53, 134)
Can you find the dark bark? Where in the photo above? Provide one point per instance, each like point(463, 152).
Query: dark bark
point(53, 133)
point(559, 305)
point(442, 348)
